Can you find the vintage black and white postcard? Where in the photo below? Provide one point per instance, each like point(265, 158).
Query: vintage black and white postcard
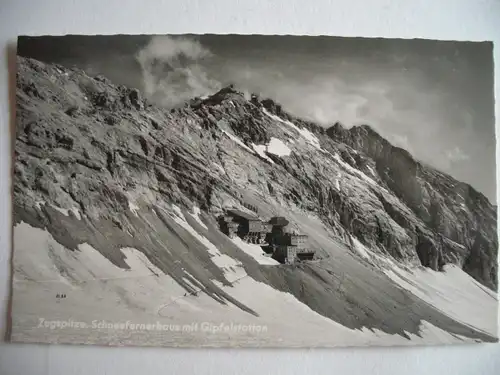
point(254, 191)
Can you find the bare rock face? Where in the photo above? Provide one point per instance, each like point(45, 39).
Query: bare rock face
point(86, 144)
point(458, 222)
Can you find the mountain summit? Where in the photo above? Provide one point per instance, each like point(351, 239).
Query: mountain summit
point(98, 164)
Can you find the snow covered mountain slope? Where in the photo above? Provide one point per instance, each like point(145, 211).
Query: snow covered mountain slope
point(143, 294)
point(107, 185)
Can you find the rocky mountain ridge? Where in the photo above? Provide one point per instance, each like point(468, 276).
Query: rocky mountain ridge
point(355, 180)
point(96, 163)
point(454, 211)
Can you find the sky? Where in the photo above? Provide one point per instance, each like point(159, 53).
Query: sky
point(433, 98)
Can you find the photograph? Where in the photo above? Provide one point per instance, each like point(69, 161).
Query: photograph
point(249, 191)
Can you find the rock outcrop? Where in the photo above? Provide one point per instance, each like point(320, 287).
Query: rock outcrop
point(96, 163)
point(456, 217)
point(83, 142)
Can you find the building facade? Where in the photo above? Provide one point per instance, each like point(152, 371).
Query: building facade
point(286, 247)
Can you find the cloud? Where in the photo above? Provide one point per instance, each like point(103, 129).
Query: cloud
point(173, 72)
point(401, 141)
point(456, 155)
